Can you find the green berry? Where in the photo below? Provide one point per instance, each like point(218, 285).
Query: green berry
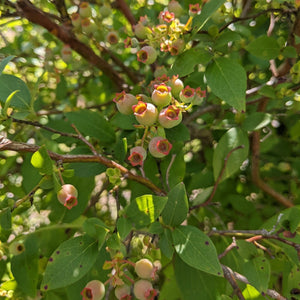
point(144, 268)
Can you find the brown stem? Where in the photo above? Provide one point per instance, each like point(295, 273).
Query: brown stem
point(228, 274)
point(23, 147)
point(255, 143)
point(64, 33)
point(123, 7)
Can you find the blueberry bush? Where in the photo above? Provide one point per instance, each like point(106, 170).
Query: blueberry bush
point(149, 149)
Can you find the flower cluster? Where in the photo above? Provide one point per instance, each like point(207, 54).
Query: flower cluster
point(162, 109)
point(167, 35)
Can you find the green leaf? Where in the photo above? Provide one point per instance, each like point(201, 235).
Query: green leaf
point(5, 224)
point(10, 84)
point(42, 161)
point(264, 47)
point(227, 80)
point(207, 11)
point(145, 209)
point(251, 293)
point(195, 284)
point(233, 138)
point(196, 249)
point(186, 62)
point(7, 102)
point(177, 206)
point(96, 229)
point(25, 267)
point(124, 227)
point(290, 52)
point(4, 62)
point(256, 120)
point(93, 124)
point(165, 243)
point(69, 262)
point(257, 272)
point(178, 133)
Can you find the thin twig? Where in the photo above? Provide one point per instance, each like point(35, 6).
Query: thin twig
point(218, 179)
point(228, 274)
point(168, 170)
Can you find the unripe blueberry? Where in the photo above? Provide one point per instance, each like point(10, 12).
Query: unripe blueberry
point(124, 102)
point(16, 247)
point(145, 113)
point(122, 291)
point(143, 97)
point(68, 196)
point(137, 155)
point(199, 96)
point(76, 20)
point(187, 95)
point(170, 116)
point(142, 288)
point(85, 10)
point(112, 37)
point(105, 11)
point(159, 147)
point(144, 268)
point(141, 31)
point(66, 53)
point(176, 85)
point(147, 55)
point(94, 290)
point(176, 47)
point(175, 8)
point(88, 26)
point(161, 96)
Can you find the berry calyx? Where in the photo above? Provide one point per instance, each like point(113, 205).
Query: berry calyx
point(137, 156)
point(161, 96)
point(94, 290)
point(144, 268)
point(170, 117)
point(68, 196)
point(145, 113)
point(66, 53)
point(123, 292)
point(187, 95)
point(76, 20)
point(142, 289)
point(124, 102)
point(147, 55)
point(159, 147)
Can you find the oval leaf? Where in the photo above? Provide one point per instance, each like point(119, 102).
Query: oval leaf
point(196, 249)
point(227, 80)
point(177, 207)
point(145, 209)
point(69, 262)
point(42, 161)
point(265, 47)
point(233, 138)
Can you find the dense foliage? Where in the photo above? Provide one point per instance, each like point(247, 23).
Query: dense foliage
point(149, 149)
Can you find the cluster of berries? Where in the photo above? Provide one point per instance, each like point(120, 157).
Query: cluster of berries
point(168, 35)
point(162, 109)
point(142, 287)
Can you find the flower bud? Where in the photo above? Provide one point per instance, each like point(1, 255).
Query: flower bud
point(105, 11)
point(161, 96)
point(142, 288)
point(170, 117)
point(167, 16)
point(147, 55)
point(124, 102)
point(159, 147)
point(94, 290)
point(145, 113)
point(85, 10)
point(122, 291)
point(137, 155)
point(144, 268)
point(187, 95)
point(68, 196)
point(176, 85)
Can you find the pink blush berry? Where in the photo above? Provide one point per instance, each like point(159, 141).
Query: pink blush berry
point(94, 290)
point(137, 156)
point(161, 96)
point(147, 55)
point(124, 102)
point(145, 113)
point(159, 147)
point(170, 117)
